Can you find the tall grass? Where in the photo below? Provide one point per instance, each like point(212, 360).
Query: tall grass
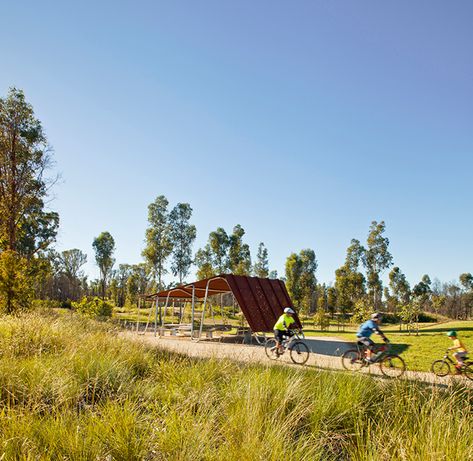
point(71, 389)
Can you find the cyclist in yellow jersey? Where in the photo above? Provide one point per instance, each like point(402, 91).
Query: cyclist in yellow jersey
point(461, 351)
point(282, 326)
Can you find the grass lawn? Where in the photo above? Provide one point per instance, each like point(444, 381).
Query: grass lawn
point(418, 351)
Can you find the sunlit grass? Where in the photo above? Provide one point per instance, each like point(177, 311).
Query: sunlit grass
point(72, 389)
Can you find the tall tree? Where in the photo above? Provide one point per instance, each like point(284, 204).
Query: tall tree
point(219, 243)
point(300, 278)
point(25, 228)
point(376, 259)
point(355, 254)
point(137, 283)
point(399, 285)
point(261, 268)
point(158, 238)
point(70, 264)
point(24, 162)
point(466, 280)
point(183, 235)
point(104, 247)
point(203, 261)
point(349, 282)
point(239, 257)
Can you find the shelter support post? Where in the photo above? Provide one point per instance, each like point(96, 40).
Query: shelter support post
point(193, 312)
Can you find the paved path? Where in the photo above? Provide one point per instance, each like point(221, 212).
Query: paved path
point(326, 352)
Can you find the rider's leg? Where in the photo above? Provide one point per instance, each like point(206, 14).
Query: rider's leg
point(278, 336)
point(368, 346)
point(459, 356)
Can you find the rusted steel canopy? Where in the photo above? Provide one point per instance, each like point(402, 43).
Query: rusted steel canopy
point(261, 300)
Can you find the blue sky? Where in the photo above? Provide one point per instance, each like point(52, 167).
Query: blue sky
point(301, 121)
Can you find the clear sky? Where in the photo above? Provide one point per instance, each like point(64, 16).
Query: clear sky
point(302, 121)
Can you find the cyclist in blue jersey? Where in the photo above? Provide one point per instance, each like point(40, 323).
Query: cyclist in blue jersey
point(366, 330)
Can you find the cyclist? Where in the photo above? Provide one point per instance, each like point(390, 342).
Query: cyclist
point(283, 326)
point(366, 329)
point(460, 355)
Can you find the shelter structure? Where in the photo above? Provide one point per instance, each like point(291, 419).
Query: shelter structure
point(261, 301)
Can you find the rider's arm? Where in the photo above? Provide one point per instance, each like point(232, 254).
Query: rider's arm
point(380, 333)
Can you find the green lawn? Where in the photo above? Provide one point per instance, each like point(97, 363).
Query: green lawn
point(418, 351)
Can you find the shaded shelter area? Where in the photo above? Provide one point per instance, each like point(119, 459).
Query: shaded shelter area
point(261, 300)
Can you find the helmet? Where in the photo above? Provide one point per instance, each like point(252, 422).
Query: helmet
point(288, 310)
point(452, 333)
point(376, 316)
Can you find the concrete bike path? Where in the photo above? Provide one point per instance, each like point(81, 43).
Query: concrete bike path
point(325, 354)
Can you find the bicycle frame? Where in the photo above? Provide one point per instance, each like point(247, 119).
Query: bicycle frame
point(381, 351)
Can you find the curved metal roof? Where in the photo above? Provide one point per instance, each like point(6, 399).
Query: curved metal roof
point(261, 300)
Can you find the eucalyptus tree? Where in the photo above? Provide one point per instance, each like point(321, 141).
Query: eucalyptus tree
point(25, 159)
point(400, 287)
point(104, 247)
point(261, 267)
point(300, 278)
point(26, 229)
point(70, 264)
point(182, 235)
point(204, 263)
point(239, 255)
point(349, 281)
point(219, 244)
point(158, 239)
point(376, 258)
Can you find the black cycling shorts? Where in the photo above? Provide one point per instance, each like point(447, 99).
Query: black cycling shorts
point(279, 335)
point(366, 342)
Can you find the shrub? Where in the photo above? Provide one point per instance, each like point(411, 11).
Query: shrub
point(94, 308)
point(46, 304)
point(321, 320)
point(15, 287)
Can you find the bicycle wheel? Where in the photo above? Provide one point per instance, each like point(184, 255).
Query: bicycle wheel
point(352, 360)
point(440, 368)
point(299, 353)
point(392, 366)
point(271, 349)
point(468, 371)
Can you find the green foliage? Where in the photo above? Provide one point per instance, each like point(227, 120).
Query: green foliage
point(159, 243)
point(300, 278)
point(321, 320)
point(183, 235)
point(24, 160)
point(239, 256)
point(15, 287)
point(203, 261)
point(224, 253)
point(218, 246)
point(361, 311)
point(94, 308)
point(376, 258)
point(104, 247)
point(349, 286)
point(261, 268)
point(44, 304)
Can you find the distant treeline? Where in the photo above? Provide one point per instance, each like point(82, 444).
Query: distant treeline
point(30, 267)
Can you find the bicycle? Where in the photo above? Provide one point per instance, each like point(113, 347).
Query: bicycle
point(298, 350)
point(390, 364)
point(443, 367)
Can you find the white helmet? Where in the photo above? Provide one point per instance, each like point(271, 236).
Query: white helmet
point(288, 310)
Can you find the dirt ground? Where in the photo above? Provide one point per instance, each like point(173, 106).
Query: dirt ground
point(325, 354)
